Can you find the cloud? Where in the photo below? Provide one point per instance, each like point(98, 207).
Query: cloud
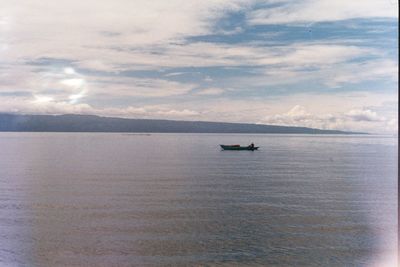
point(139, 87)
point(362, 120)
point(298, 112)
point(63, 28)
point(66, 84)
point(202, 54)
point(139, 35)
point(58, 83)
point(211, 91)
point(42, 105)
point(309, 11)
point(351, 73)
point(337, 74)
point(177, 113)
point(174, 74)
point(149, 111)
point(367, 112)
point(282, 65)
point(139, 59)
point(47, 105)
point(296, 116)
point(364, 115)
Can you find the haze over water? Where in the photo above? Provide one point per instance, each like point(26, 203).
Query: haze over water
point(81, 199)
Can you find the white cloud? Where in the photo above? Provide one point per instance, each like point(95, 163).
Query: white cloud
point(126, 35)
point(140, 35)
point(59, 84)
point(41, 105)
point(114, 36)
point(308, 11)
point(298, 112)
point(211, 91)
point(47, 105)
point(149, 111)
point(174, 74)
point(177, 113)
point(360, 72)
point(364, 115)
point(69, 71)
point(42, 99)
point(367, 112)
point(63, 28)
point(75, 82)
point(141, 87)
point(71, 86)
point(284, 64)
point(332, 75)
point(202, 54)
point(362, 120)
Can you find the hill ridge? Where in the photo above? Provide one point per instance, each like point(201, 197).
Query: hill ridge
point(93, 123)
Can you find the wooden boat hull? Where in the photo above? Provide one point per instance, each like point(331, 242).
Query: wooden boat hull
point(224, 147)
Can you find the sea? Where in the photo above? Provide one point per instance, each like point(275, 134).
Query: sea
point(157, 199)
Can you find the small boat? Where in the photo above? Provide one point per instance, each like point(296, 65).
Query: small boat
point(238, 147)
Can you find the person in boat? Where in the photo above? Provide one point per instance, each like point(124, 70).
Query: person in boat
point(251, 145)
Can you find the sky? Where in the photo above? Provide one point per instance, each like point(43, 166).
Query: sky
point(329, 64)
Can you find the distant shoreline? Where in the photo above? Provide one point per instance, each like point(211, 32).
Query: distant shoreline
point(205, 133)
point(71, 123)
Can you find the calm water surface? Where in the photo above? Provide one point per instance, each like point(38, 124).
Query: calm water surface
point(74, 199)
